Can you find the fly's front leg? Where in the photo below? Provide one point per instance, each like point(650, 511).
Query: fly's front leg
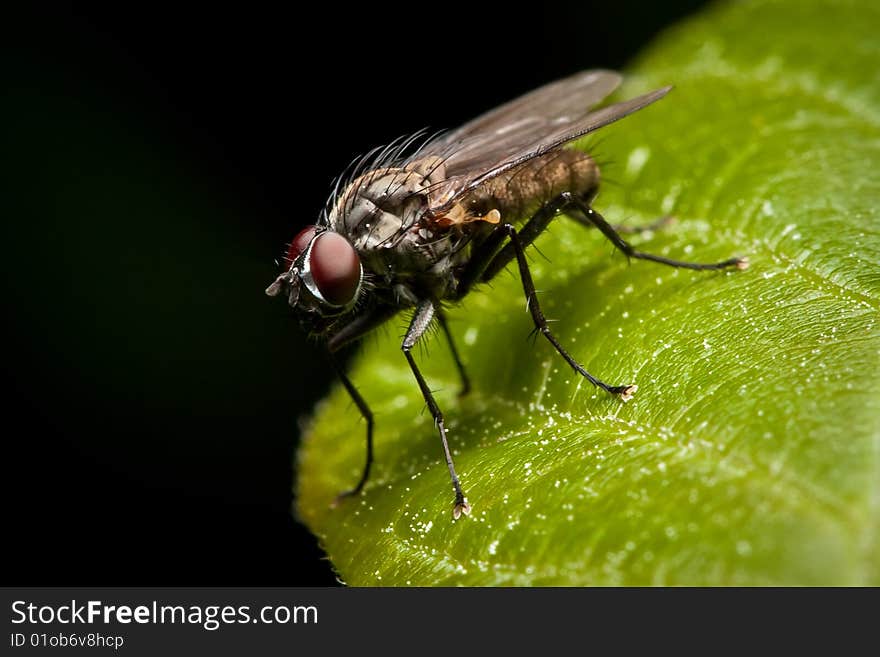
point(624, 392)
point(368, 416)
point(589, 217)
point(353, 330)
point(420, 322)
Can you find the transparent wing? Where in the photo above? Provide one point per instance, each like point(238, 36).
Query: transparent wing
point(556, 103)
point(528, 127)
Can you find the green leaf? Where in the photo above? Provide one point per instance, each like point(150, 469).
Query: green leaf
point(751, 452)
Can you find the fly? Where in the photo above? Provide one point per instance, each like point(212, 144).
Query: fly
point(417, 228)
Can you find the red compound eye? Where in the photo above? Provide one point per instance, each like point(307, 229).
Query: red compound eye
point(299, 244)
point(336, 268)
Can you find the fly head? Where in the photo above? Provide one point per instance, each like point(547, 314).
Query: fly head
point(323, 280)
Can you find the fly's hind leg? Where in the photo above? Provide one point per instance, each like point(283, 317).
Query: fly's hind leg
point(587, 216)
point(657, 224)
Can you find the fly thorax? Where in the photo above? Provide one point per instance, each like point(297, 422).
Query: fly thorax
point(381, 214)
point(376, 207)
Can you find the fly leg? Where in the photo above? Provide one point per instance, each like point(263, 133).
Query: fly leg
point(624, 392)
point(420, 322)
point(657, 224)
point(589, 217)
point(465, 381)
point(368, 416)
point(348, 333)
point(486, 260)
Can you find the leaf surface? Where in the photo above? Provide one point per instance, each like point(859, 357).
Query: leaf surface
point(751, 452)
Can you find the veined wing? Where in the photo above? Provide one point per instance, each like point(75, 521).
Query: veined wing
point(528, 127)
point(555, 103)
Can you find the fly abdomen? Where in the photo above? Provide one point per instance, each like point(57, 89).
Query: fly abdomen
point(519, 193)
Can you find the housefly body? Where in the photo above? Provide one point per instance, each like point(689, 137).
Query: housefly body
point(417, 227)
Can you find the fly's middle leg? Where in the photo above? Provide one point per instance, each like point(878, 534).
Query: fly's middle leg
point(490, 258)
point(486, 260)
point(459, 365)
point(420, 322)
point(625, 392)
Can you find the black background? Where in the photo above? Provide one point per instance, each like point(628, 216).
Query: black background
point(155, 163)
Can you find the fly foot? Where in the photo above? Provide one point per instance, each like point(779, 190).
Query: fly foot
point(624, 392)
point(461, 507)
point(343, 496)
